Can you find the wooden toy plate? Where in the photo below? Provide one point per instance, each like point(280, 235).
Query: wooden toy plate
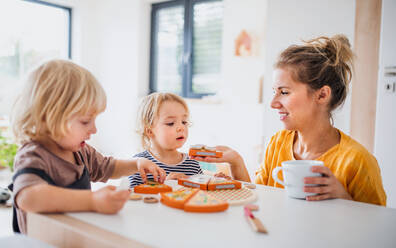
point(235, 196)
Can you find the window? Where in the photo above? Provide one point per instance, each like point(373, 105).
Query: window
point(186, 41)
point(31, 32)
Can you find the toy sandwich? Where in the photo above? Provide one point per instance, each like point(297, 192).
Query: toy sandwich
point(206, 182)
point(204, 151)
point(151, 187)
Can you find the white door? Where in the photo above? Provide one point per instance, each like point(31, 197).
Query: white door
point(385, 130)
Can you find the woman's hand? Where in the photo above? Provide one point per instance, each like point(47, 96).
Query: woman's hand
point(145, 166)
point(109, 201)
point(176, 176)
point(329, 187)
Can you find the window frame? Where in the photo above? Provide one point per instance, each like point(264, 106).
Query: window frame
point(187, 49)
point(69, 12)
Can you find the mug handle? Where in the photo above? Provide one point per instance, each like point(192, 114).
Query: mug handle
point(275, 175)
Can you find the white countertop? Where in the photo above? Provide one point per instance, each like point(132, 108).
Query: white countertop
point(290, 223)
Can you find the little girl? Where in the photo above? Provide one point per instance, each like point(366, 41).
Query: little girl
point(54, 166)
point(163, 123)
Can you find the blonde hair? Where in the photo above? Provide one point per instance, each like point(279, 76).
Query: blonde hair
point(55, 92)
point(319, 62)
point(149, 110)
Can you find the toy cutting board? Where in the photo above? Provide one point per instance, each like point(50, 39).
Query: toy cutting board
point(234, 196)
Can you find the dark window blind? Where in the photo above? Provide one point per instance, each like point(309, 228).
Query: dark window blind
point(186, 44)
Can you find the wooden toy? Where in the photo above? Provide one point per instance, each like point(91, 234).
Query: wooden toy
point(196, 181)
point(207, 182)
point(217, 183)
point(254, 222)
point(135, 197)
point(150, 199)
point(203, 202)
point(252, 207)
point(235, 196)
point(193, 200)
point(204, 151)
point(250, 185)
point(152, 188)
point(177, 199)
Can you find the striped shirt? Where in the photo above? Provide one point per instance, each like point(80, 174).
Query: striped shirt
point(187, 166)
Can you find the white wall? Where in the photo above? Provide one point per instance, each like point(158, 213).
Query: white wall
point(234, 117)
point(385, 130)
point(108, 46)
point(289, 22)
point(105, 40)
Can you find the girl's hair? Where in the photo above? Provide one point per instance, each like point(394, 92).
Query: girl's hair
point(55, 92)
point(319, 62)
point(149, 110)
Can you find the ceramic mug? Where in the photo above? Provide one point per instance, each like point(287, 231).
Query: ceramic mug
point(294, 172)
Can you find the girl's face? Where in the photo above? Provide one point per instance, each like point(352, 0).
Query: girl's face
point(170, 128)
point(80, 129)
point(295, 103)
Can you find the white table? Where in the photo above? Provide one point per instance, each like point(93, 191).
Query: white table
point(290, 223)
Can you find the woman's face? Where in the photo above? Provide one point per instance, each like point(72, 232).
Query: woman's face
point(294, 101)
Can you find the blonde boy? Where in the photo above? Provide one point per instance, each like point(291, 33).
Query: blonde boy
point(54, 116)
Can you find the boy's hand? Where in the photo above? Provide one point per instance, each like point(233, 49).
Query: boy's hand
point(109, 201)
point(146, 166)
point(176, 176)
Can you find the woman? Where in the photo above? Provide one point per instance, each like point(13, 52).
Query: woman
point(310, 82)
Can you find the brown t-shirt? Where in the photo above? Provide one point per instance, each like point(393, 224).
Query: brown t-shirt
point(63, 173)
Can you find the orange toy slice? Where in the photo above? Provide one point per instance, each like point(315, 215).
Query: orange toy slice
point(217, 183)
point(177, 199)
point(152, 188)
point(202, 202)
point(196, 181)
point(204, 151)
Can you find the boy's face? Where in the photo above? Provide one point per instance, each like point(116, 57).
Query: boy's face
point(80, 129)
point(170, 128)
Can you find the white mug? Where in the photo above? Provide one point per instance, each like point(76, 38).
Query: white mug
point(294, 172)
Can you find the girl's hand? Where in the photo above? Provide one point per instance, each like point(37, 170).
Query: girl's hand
point(109, 201)
point(146, 166)
point(329, 187)
point(237, 165)
point(176, 176)
point(229, 156)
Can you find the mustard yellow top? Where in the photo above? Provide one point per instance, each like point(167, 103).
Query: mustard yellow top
point(350, 162)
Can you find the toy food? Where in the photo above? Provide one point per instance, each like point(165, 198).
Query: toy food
point(204, 151)
point(207, 182)
point(193, 200)
point(216, 183)
point(196, 181)
point(150, 199)
point(203, 202)
point(135, 197)
point(177, 199)
point(152, 188)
